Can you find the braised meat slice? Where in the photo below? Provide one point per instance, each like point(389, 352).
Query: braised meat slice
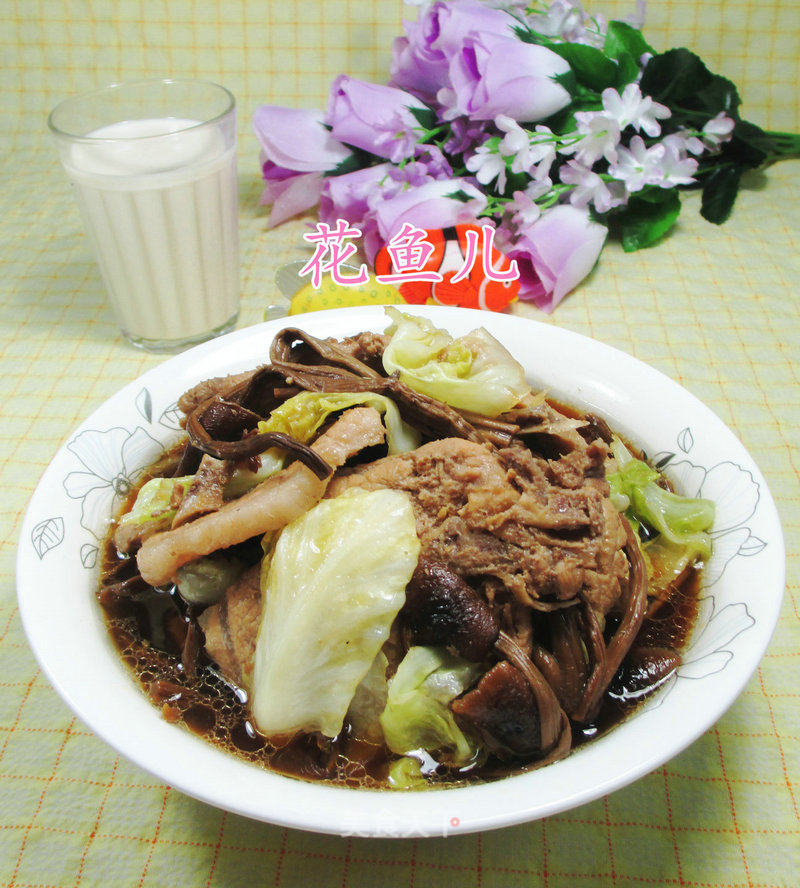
point(205, 493)
point(231, 628)
point(503, 514)
point(365, 347)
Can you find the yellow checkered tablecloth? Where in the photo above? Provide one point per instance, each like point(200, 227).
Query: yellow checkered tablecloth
point(714, 308)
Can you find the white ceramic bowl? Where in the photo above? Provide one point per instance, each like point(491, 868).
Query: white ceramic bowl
point(740, 597)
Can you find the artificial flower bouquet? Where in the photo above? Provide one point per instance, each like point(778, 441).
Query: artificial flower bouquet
point(551, 125)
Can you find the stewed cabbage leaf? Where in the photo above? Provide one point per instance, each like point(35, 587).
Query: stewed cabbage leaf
point(302, 415)
point(417, 713)
point(682, 521)
point(154, 501)
point(369, 701)
point(473, 372)
point(335, 583)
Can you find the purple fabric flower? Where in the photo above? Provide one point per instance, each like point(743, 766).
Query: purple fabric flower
point(435, 163)
point(493, 75)
point(356, 196)
point(373, 117)
point(421, 59)
point(346, 197)
point(466, 135)
point(556, 253)
point(294, 140)
point(295, 150)
point(291, 195)
point(429, 206)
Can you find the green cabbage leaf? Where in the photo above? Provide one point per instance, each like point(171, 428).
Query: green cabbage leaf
point(473, 372)
point(336, 580)
point(681, 521)
point(153, 502)
point(302, 415)
point(406, 773)
point(417, 714)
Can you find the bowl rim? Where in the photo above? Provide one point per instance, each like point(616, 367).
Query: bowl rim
point(199, 769)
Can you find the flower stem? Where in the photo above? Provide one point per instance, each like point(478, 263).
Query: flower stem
point(781, 146)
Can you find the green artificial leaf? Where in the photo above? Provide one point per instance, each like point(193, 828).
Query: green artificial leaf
point(569, 82)
point(623, 39)
point(673, 77)
point(592, 69)
point(644, 220)
point(358, 160)
point(752, 135)
point(460, 195)
point(425, 117)
point(654, 195)
point(627, 70)
point(718, 94)
point(679, 79)
point(524, 33)
point(719, 193)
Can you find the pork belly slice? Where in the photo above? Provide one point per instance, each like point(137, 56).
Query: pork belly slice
point(231, 628)
point(205, 493)
point(485, 513)
point(269, 506)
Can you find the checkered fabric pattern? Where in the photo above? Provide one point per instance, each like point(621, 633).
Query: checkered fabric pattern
point(714, 308)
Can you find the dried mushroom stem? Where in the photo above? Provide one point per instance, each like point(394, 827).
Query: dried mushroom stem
point(551, 716)
point(635, 606)
point(226, 416)
point(283, 349)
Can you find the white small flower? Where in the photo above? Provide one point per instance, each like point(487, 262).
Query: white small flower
point(677, 168)
point(600, 134)
point(531, 153)
point(523, 208)
point(639, 165)
point(515, 141)
point(562, 17)
point(590, 188)
point(488, 165)
point(718, 130)
point(567, 20)
point(633, 109)
point(682, 142)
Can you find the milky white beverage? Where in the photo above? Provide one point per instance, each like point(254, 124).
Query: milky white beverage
point(159, 201)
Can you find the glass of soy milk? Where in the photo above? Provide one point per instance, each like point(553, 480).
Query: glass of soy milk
point(153, 167)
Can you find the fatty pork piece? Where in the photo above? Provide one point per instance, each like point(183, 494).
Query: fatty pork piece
point(231, 628)
point(269, 506)
point(545, 529)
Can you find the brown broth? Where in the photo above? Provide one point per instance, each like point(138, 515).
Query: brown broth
point(149, 626)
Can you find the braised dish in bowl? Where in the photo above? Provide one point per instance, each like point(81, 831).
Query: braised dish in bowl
point(392, 554)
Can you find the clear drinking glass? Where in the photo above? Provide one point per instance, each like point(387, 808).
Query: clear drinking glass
point(153, 167)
